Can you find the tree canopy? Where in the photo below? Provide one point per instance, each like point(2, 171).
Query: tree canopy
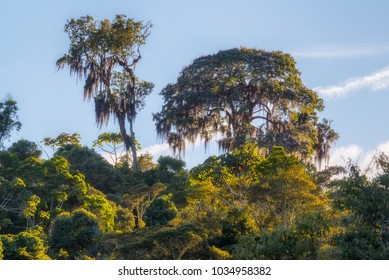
point(239, 96)
point(260, 198)
point(106, 53)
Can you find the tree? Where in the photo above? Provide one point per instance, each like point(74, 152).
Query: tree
point(106, 53)
point(62, 140)
point(1, 250)
point(161, 211)
point(326, 137)
point(24, 149)
point(364, 205)
point(27, 245)
point(8, 119)
point(141, 197)
point(74, 232)
point(97, 170)
point(114, 145)
point(244, 95)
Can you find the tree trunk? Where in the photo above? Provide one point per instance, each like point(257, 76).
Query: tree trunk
point(129, 141)
point(135, 163)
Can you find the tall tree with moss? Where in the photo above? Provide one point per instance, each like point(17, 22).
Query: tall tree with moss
point(243, 95)
point(106, 53)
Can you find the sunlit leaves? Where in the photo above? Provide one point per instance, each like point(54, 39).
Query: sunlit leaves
point(27, 245)
point(62, 140)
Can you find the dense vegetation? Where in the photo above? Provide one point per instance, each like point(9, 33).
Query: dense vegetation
point(265, 196)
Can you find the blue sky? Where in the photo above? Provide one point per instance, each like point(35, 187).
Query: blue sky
point(341, 48)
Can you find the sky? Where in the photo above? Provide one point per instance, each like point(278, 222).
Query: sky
point(341, 49)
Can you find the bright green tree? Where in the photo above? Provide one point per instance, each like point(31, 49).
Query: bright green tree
point(97, 170)
point(1, 250)
point(27, 245)
point(140, 198)
point(62, 140)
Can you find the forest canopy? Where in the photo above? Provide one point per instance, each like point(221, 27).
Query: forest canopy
point(266, 195)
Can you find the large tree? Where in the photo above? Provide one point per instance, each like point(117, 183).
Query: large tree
point(243, 95)
point(106, 53)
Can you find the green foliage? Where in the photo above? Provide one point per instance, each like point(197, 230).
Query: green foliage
point(285, 189)
point(124, 220)
point(146, 162)
point(106, 53)
point(168, 167)
point(140, 198)
point(27, 245)
point(74, 232)
point(162, 243)
point(244, 95)
point(8, 119)
point(365, 207)
point(302, 239)
point(111, 143)
point(218, 254)
point(98, 172)
point(161, 211)
point(24, 149)
point(236, 224)
point(103, 209)
point(1, 250)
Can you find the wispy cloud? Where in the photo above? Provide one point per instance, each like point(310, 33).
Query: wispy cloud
point(373, 82)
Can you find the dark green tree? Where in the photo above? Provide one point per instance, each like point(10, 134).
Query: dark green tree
point(8, 119)
point(106, 53)
point(364, 204)
point(243, 95)
point(98, 172)
point(161, 211)
point(24, 149)
point(74, 233)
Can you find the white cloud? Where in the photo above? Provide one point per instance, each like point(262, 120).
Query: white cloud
point(376, 81)
point(364, 159)
point(342, 155)
point(157, 150)
point(164, 149)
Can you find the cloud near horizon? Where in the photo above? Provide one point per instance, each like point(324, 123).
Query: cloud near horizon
point(364, 159)
point(377, 81)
